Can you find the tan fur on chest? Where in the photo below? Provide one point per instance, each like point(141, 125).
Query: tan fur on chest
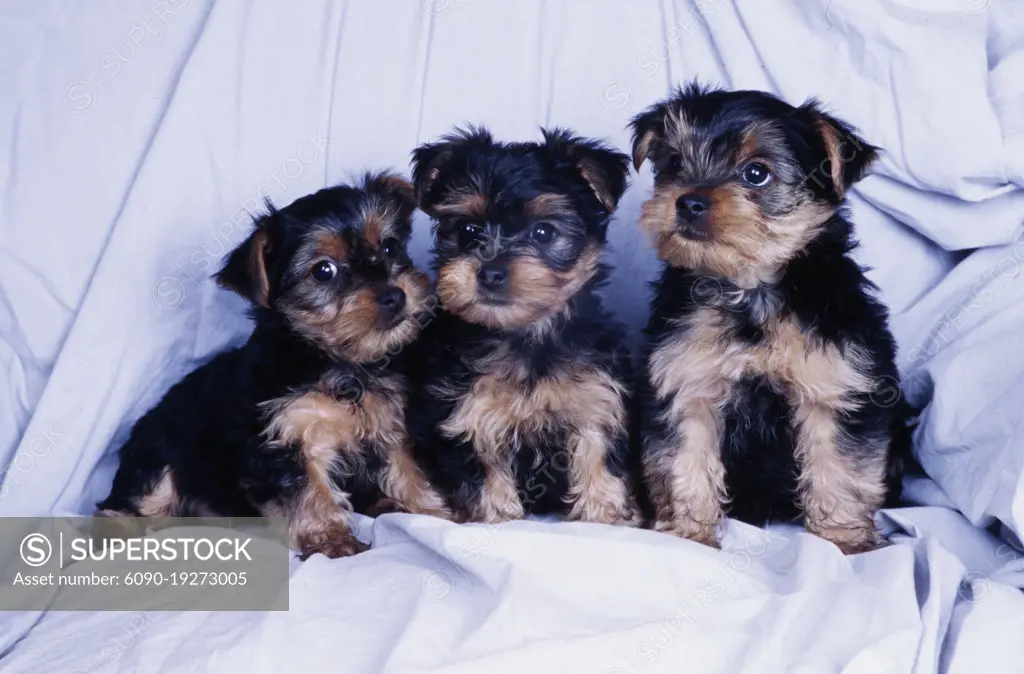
point(503, 411)
point(500, 410)
point(703, 361)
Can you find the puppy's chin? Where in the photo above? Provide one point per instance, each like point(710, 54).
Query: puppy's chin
point(735, 239)
point(700, 230)
point(379, 344)
point(535, 291)
point(508, 316)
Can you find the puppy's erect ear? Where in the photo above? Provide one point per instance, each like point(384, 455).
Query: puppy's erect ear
point(429, 160)
point(847, 156)
point(245, 271)
point(647, 126)
point(604, 170)
point(393, 188)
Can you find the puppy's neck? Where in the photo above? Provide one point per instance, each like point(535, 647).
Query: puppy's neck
point(281, 342)
point(528, 353)
point(765, 299)
point(548, 329)
point(756, 277)
point(761, 304)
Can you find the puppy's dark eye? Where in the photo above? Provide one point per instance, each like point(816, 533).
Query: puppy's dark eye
point(468, 233)
point(756, 174)
point(392, 247)
point(542, 233)
point(324, 270)
point(674, 164)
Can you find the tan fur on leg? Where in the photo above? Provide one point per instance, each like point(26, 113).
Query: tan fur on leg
point(482, 418)
point(404, 482)
point(838, 496)
point(696, 371)
point(318, 521)
point(592, 403)
point(596, 494)
point(839, 493)
point(696, 483)
point(499, 498)
point(162, 500)
point(323, 429)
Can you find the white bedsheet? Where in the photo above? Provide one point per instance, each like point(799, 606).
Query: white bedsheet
point(137, 135)
point(540, 597)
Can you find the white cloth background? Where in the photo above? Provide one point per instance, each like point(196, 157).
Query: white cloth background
point(137, 135)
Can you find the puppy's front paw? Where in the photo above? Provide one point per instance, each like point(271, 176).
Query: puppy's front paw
point(621, 511)
point(700, 532)
point(383, 506)
point(629, 515)
point(852, 541)
point(432, 504)
point(494, 512)
point(499, 501)
point(332, 542)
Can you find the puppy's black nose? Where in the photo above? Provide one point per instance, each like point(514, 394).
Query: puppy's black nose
point(492, 276)
point(391, 300)
point(691, 206)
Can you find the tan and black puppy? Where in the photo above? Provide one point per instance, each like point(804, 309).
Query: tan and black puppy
point(766, 345)
point(307, 419)
point(522, 380)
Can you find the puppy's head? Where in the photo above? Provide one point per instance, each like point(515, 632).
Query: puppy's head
point(742, 181)
point(334, 265)
point(519, 226)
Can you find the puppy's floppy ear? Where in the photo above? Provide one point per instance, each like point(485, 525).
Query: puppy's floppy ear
point(847, 156)
point(647, 126)
point(395, 189)
point(429, 160)
point(604, 170)
point(245, 271)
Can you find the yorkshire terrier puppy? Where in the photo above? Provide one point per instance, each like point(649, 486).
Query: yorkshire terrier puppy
point(307, 419)
point(766, 345)
point(522, 380)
